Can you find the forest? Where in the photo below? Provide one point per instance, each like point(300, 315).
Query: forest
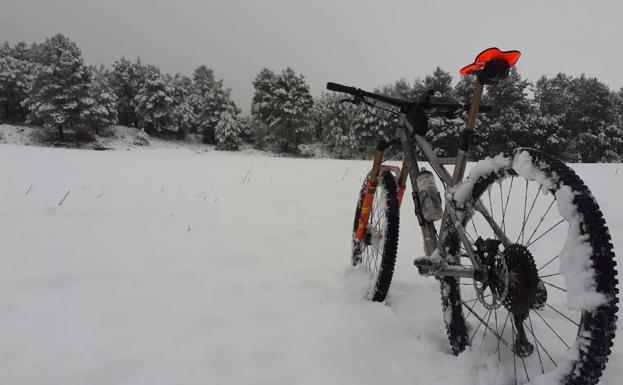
point(48, 85)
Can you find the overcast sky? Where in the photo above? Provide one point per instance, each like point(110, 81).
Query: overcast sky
point(357, 42)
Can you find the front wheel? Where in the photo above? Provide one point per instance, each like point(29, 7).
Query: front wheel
point(376, 253)
point(547, 307)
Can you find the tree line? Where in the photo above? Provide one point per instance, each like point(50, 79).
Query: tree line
point(576, 118)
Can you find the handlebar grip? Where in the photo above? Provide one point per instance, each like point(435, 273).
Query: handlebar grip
point(341, 88)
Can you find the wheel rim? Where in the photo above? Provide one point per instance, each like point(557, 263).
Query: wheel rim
point(371, 254)
point(552, 330)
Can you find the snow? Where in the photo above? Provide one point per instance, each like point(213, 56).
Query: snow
point(481, 168)
point(174, 265)
point(576, 265)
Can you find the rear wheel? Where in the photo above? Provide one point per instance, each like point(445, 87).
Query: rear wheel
point(376, 253)
point(547, 307)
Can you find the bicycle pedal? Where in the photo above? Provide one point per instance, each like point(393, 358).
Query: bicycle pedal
point(429, 265)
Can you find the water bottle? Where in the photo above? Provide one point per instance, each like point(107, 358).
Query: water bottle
point(430, 199)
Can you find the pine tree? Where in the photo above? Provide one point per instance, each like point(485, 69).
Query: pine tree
point(440, 81)
point(15, 81)
point(101, 109)
point(204, 80)
point(155, 101)
point(291, 101)
point(218, 101)
point(442, 132)
point(183, 114)
point(261, 106)
point(209, 101)
point(505, 127)
point(126, 80)
point(336, 122)
point(587, 111)
point(202, 84)
point(60, 91)
point(227, 132)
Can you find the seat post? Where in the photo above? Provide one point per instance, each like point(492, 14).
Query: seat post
point(466, 135)
point(473, 111)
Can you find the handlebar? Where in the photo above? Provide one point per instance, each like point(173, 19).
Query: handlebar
point(440, 109)
point(341, 88)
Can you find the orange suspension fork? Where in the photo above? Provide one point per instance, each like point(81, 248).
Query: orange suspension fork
point(373, 181)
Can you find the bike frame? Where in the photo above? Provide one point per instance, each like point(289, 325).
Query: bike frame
point(410, 170)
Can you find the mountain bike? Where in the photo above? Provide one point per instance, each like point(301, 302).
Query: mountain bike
point(520, 247)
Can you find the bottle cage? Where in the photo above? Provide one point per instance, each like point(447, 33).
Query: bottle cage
point(492, 65)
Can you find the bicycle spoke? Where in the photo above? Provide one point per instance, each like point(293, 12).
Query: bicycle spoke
point(552, 329)
point(523, 226)
point(550, 261)
point(548, 230)
point(549, 275)
point(501, 204)
point(485, 332)
point(470, 236)
point(474, 225)
point(490, 205)
point(506, 206)
point(481, 323)
point(498, 336)
point(470, 309)
point(538, 351)
point(523, 361)
point(503, 328)
point(498, 332)
point(559, 312)
point(542, 347)
point(513, 351)
point(552, 285)
point(474, 305)
point(525, 203)
point(542, 218)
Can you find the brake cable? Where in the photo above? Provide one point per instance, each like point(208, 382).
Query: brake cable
point(389, 120)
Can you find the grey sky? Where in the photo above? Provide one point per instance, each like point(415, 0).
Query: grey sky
point(357, 42)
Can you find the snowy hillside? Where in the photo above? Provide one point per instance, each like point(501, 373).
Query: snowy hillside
point(170, 266)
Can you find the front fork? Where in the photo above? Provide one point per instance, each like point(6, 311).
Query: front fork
point(372, 183)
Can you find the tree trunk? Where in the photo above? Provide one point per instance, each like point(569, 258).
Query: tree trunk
point(61, 134)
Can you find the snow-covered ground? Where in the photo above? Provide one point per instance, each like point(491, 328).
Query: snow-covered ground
point(174, 266)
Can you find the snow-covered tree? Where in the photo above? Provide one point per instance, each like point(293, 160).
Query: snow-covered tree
point(281, 105)
point(336, 122)
point(60, 91)
point(126, 79)
point(505, 127)
point(588, 112)
point(546, 133)
point(218, 100)
point(261, 107)
point(183, 114)
point(439, 81)
point(209, 100)
point(15, 81)
point(227, 132)
point(203, 80)
point(101, 109)
point(604, 144)
point(155, 101)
